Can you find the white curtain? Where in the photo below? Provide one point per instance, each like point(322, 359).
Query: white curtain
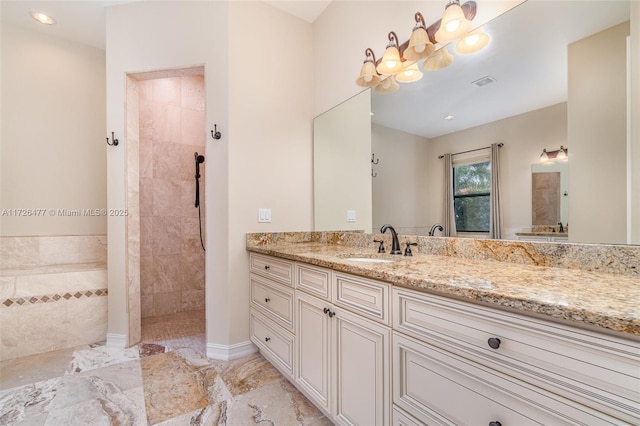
point(495, 225)
point(449, 223)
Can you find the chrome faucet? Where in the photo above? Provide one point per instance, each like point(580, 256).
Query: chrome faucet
point(395, 245)
point(561, 230)
point(433, 229)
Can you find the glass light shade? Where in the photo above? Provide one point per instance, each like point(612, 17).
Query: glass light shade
point(440, 59)
point(388, 85)
point(368, 75)
point(453, 24)
point(420, 47)
point(390, 63)
point(473, 42)
point(562, 154)
point(544, 157)
point(409, 74)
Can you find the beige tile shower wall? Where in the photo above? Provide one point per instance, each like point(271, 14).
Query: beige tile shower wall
point(52, 293)
point(172, 128)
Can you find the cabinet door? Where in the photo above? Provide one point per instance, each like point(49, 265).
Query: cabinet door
point(362, 363)
point(313, 349)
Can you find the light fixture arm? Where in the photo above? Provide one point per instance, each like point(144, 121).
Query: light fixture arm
point(370, 55)
point(393, 39)
point(420, 20)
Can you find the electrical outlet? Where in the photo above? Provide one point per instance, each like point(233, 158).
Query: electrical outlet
point(264, 215)
point(351, 215)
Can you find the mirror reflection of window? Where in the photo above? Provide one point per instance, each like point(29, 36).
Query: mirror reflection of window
point(471, 196)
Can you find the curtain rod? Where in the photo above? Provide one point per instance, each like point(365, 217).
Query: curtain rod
point(500, 145)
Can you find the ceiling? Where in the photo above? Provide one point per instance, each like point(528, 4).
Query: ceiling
point(527, 57)
point(84, 21)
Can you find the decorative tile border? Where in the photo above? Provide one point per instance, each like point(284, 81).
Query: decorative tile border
point(49, 298)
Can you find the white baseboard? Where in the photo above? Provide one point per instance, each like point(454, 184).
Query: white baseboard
point(117, 341)
point(229, 352)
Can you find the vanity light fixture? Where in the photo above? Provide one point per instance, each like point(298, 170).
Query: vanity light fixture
point(544, 157)
point(391, 63)
point(562, 154)
point(473, 42)
point(420, 46)
point(453, 24)
point(399, 59)
point(43, 18)
point(409, 74)
point(368, 75)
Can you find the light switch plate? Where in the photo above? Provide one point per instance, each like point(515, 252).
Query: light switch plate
point(351, 215)
point(264, 215)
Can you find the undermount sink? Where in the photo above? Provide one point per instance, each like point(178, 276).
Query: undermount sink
point(368, 260)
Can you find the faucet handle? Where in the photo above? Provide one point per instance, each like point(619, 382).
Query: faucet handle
point(407, 251)
point(381, 247)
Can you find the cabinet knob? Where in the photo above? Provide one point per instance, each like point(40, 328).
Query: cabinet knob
point(496, 423)
point(267, 300)
point(266, 339)
point(326, 310)
point(494, 343)
point(331, 314)
point(266, 267)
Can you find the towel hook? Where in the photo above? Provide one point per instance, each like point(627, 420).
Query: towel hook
point(215, 134)
point(113, 139)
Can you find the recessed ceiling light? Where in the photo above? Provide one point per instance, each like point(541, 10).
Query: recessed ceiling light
point(42, 18)
point(449, 117)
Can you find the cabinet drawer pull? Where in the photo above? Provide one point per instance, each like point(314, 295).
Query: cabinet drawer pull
point(266, 339)
point(494, 343)
point(496, 423)
point(326, 310)
point(266, 267)
point(331, 314)
point(267, 300)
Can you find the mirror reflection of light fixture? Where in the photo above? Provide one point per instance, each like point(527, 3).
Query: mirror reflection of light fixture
point(391, 63)
point(562, 154)
point(439, 60)
point(420, 46)
point(544, 157)
point(409, 74)
point(473, 42)
point(388, 85)
point(453, 24)
point(368, 75)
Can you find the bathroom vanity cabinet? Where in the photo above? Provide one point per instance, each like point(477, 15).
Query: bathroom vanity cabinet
point(367, 352)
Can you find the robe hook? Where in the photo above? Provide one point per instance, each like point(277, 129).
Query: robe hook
point(113, 139)
point(215, 134)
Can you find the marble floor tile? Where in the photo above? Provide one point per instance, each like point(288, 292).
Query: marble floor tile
point(165, 380)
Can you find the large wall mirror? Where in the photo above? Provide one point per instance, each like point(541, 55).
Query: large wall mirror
point(557, 74)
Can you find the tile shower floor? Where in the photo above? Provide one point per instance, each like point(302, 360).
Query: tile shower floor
point(165, 380)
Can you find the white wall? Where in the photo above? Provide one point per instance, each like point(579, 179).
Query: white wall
point(634, 125)
point(259, 85)
point(341, 156)
point(524, 136)
point(597, 115)
point(180, 34)
point(271, 81)
point(400, 192)
point(53, 134)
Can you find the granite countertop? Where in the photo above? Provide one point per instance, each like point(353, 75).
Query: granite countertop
point(597, 299)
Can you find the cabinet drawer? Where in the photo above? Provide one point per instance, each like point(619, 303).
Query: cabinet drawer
point(439, 387)
point(400, 418)
point(276, 344)
point(273, 300)
point(313, 280)
point(597, 370)
point(277, 269)
point(363, 296)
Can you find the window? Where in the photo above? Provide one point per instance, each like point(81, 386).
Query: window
point(471, 196)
